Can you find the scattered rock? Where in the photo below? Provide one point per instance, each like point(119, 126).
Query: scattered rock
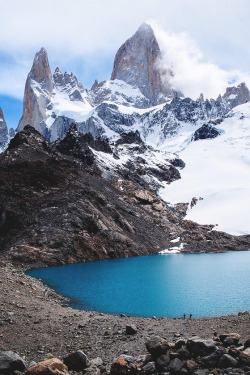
point(245, 356)
point(201, 347)
point(175, 366)
point(227, 361)
point(149, 368)
point(157, 346)
point(131, 329)
point(213, 358)
point(119, 367)
point(235, 337)
point(10, 362)
point(191, 365)
point(76, 361)
point(51, 366)
point(162, 362)
point(247, 344)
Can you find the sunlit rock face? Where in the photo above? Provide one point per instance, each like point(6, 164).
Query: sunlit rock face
point(38, 89)
point(137, 63)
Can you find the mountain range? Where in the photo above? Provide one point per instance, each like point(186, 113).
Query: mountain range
point(188, 152)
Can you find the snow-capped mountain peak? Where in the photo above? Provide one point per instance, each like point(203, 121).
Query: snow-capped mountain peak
point(136, 63)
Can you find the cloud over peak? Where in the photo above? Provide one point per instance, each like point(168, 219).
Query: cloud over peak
point(191, 74)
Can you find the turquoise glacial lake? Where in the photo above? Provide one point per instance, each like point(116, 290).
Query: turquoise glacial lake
point(157, 285)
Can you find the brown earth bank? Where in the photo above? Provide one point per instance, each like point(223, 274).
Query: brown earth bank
point(35, 321)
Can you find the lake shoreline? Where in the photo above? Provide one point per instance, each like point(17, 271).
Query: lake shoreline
point(206, 285)
point(36, 321)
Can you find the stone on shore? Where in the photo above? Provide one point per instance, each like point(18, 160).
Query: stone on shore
point(175, 366)
point(149, 368)
point(201, 347)
point(227, 361)
point(157, 346)
point(162, 362)
point(76, 361)
point(247, 344)
point(235, 337)
point(245, 356)
point(122, 367)
point(10, 362)
point(131, 329)
point(51, 366)
point(213, 358)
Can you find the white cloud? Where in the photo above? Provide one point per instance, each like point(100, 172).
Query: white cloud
point(94, 30)
point(191, 74)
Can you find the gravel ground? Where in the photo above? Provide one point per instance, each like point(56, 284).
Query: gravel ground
point(35, 321)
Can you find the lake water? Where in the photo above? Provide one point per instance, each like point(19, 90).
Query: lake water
point(161, 285)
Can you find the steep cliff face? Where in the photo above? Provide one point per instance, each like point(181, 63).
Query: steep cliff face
point(38, 90)
point(3, 131)
point(137, 63)
point(235, 96)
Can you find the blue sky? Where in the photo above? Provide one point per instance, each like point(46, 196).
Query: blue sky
point(212, 35)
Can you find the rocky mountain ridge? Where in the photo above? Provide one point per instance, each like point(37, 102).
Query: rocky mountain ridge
point(61, 207)
point(138, 97)
point(5, 133)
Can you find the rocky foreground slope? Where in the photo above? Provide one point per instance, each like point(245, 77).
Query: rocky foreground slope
point(58, 205)
point(38, 326)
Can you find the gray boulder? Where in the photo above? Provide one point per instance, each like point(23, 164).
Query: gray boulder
point(157, 346)
point(162, 362)
point(175, 366)
point(247, 344)
point(212, 359)
point(235, 337)
point(227, 361)
point(131, 329)
point(201, 347)
point(11, 362)
point(149, 368)
point(76, 361)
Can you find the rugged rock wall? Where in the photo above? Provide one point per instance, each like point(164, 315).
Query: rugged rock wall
point(3, 131)
point(137, 63)
point(38, 88)
point(57, 208)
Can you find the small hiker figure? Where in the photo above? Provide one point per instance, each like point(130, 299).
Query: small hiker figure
point(190, 316)
point(184, 316)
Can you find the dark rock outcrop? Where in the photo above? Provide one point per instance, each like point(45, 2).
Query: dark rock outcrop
point(56, 208)
point(157, 346)
point(79, 145)
point(76, 361)
point(11, 362)
point(205, 132)
point(129, 138)
point(3, 131)
point(187, 360)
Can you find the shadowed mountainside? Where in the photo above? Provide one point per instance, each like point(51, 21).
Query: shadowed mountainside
point(57, 208)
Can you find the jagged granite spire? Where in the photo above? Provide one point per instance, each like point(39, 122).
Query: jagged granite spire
point(236, 95)
point(137, 62)
point(40, 70)
point(38, 87)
